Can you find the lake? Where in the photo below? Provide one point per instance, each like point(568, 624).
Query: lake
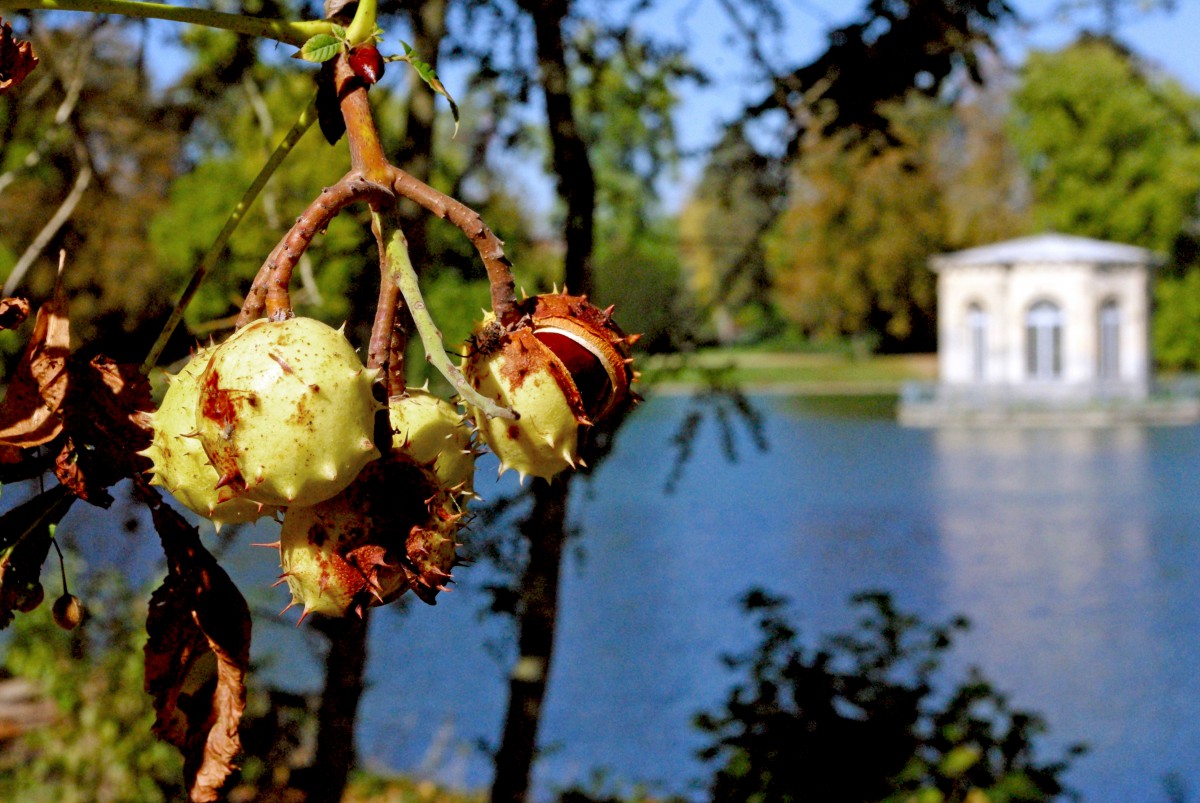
point(1073, 552)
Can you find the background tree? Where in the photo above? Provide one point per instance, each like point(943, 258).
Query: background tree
point(1113, 151)
point(627, 89)
point(850, 254)
point(740, 194)
point(839, 101)
point(88, 138)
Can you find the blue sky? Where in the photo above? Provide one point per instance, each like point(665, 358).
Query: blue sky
point(1167, 39)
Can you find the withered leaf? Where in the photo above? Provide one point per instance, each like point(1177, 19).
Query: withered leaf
point(108, 412)
point(13, 312)
point(24, 544)
point(197, 654)
point(329, 110)
point(17, 59)
point(23, 464)
point(78, 469)
point(31, 413)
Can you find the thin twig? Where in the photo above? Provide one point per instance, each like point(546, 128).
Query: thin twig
point(270, 194)
point(290, 32)
point(378, 350)
point(397, 380)
point(303, 123)
point(56, 222)
point(489, 246)
point(388, 336)
point(401, 269)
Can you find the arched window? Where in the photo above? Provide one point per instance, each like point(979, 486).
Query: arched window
point(977, 324)
point(1109, 353)
point(1043, 341)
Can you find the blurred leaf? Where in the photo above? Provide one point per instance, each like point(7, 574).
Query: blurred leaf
point(24, 544)
point(197, 654)
point(960, 759)
point(329, 111)
point(31, 413)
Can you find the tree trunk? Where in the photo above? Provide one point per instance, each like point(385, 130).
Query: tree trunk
point(545, 530)
point(576, 180)
point(345, 665)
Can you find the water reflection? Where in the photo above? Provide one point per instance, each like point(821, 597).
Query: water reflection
point(1049, 538)
point(1073, 551)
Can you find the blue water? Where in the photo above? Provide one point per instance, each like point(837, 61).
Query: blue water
point(1073, 552)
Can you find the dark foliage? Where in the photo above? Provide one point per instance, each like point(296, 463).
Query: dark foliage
point(894, 47)
point(859, 718)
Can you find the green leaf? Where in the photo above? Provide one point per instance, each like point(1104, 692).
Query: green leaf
point(320, 48)
point(430, 77)
point(339, 32)
point(960, 759)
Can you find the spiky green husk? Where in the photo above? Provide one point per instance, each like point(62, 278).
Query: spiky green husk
point(432, 432)
point(286, 413)
point(391, 530)
point(524, 375)
point(180, 464)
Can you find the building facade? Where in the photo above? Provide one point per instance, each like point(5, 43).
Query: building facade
point(1045, 316)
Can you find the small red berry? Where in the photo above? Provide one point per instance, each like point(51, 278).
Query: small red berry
point(367, 63)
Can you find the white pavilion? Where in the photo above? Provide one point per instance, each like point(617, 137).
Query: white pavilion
point(1048, 323)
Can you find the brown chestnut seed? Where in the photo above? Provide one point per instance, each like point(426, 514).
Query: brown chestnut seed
point(585, 368)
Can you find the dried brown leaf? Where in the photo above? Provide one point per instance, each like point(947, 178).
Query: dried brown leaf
point(31, 413)
point(197, 654)
point(79, 470)
point(24, 544)
point(109, 410)
point(17, 59)
point(13, 312)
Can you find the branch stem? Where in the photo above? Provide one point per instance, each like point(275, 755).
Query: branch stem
point(378, 350)
point(303, 123)
point(362, 27)
point(400, 266)
point(366, 151)
point(489, 246)
point(269, 289)
point(286, 31)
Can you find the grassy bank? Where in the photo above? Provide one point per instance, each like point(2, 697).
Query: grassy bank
point(828, 374)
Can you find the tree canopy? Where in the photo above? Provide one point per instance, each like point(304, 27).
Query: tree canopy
point(1111, 147)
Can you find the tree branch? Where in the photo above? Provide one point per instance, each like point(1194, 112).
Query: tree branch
point(489, 246)
point(288, 32)
point(43, 238)
point(269, 289)
point(398, 264)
